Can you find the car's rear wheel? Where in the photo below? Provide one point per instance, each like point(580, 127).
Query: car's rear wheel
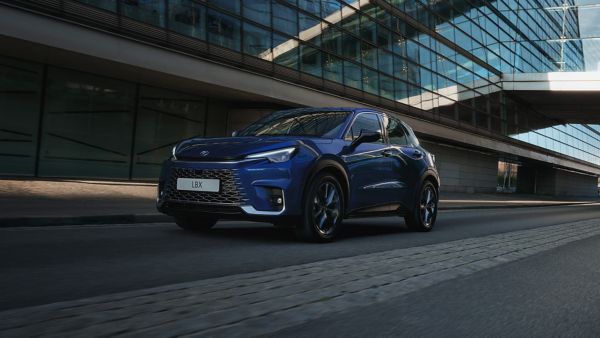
point(424, 213)
point(195, 223)
point(323, 210)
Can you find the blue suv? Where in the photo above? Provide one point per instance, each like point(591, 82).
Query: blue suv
point(305, 168)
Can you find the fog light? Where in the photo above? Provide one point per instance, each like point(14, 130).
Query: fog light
point(278, 200)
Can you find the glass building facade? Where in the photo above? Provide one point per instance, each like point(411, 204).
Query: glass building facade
point(440, 60)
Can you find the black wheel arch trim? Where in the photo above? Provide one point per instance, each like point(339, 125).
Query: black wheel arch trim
point(323, 163)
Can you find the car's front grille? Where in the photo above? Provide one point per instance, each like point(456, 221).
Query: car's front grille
point(229, 193)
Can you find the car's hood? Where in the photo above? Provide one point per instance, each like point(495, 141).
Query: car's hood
point(236, 148)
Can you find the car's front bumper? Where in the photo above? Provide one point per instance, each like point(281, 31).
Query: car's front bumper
point(248, 188)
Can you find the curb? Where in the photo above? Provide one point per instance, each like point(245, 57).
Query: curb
point(20, 222)
point(474, 207)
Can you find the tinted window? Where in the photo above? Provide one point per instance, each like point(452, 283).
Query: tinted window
point(320, 124)
point(396, 132)
point(411, 135)
point(367, 122)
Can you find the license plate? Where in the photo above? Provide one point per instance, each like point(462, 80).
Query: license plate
point(198, 184)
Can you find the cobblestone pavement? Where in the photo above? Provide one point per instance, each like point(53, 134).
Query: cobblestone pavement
point(267, 301)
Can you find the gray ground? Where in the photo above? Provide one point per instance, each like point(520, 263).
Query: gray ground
point(43, 265)
point(554, 293)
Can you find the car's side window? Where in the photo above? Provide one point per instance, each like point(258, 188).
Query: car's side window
point(396, 133)
point(411, 135)
point(365, 121)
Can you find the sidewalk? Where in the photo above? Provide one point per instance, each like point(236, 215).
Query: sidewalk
point(52, 202)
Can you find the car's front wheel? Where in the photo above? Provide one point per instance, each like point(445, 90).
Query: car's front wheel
point(424, 213)
point(323, 210)
point(195, 223)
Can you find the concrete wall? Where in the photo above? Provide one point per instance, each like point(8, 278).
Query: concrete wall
point(463, 170)
point(556, 182)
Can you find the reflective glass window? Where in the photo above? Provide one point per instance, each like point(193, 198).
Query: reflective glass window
point(310, 60)
point(332, 40)
point(311, 6)
point(333, 68)
point(187, 17)
point(88, 123)
point(285, 19)
point(150, 11)
point(285, 51)
point(370, 81)
point(369, 55)
point(386, 87)
point(109, 5)
point(257, 11)
point(395, 131)
point(20, 90)
point(224, 30)
point(230, 5)
point(351, 47)
point(257, 41)
point(364, 122)
point(352, 75)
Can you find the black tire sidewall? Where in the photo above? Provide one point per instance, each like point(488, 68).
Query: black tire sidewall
point(307, 229)
point(414, 220)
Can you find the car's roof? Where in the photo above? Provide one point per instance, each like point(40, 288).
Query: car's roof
point(321, 109)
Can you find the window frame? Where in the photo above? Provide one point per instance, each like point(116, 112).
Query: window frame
point(381, 129)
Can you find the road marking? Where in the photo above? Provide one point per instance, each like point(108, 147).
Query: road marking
point(267, 301)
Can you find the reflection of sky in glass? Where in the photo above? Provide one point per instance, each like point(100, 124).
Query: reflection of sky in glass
point(589, 27)
point(575, 140)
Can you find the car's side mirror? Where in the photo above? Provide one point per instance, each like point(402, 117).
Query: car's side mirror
point(366, 136)
point(234, 133)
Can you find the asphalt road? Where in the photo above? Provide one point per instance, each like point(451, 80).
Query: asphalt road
point(44, 265)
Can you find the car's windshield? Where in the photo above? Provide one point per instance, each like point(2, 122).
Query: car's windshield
point(317, 124)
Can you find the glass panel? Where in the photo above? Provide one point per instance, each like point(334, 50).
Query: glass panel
point(370, 81)
point(188, 18)
point(20, 84)
point(149, 11)
point(369, 55)
point(258, 11)
point(386, 86)
point(395, 131)
point(88, 124)
point(285, 19)
point(285, 51)
point(223, 30)
point(164, 117)
point(257, 41)
point(366, 122)
point(333, 68)
point(351, 47)
point(311, 60)
point(110, 5)
point(352, 75)
point(230, 5)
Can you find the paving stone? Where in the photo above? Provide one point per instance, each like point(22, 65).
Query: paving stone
point(266, 301)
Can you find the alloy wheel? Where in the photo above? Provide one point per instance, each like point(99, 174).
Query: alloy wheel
point(428, 205)
point(326, 208)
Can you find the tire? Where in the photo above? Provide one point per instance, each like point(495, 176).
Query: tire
point(195, 224)
point(422, 217)
point(323, 210)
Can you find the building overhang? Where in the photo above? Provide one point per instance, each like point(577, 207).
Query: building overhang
point(567, 97)
point(66, 44)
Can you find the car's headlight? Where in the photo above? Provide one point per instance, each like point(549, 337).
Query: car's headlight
point(173, 153)
point(279, 155)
